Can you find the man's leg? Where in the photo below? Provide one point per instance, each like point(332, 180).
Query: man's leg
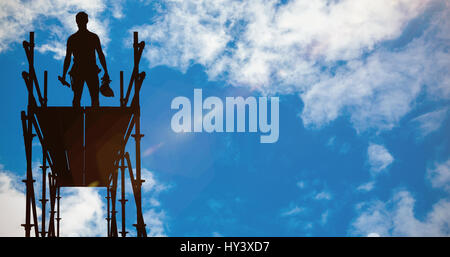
point(77, 87)
point(93, 85)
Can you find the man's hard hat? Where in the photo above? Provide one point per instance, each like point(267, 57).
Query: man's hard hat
point(105, 90)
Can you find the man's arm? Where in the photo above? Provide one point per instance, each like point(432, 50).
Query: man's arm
point(67, 59)
point(101, 57)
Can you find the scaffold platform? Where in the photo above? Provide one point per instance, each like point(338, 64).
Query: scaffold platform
point(82, 147)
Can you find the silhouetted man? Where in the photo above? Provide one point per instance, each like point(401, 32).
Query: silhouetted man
point(83, 45)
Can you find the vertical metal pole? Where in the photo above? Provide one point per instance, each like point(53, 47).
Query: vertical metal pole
point(31, 54)
point(108, 217)
point(27, 225)
point(58, 218)
point(121, 89)
point(30, 182)
point(122, 167)
point(44, 166)
point(113, 206)
point(44, 189)
point(45, 88)
point(123, 200)
point(28, 137)
point(51, 225)
point(140, 224)
point(28, 143)
point(30, 133)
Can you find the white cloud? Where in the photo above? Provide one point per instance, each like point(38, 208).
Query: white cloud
point(156, 223)
point(431, 121)
point(396, 218)
point(151, 187)
point(154, 216)
point(83, 212)
point(301, 184)
point(12, 200)
point(199, 31)
point(314, 48)
point(332, 141)
point(379, 157)
point(439, 175)
point(374, 219)
point(154, 202)
point(19, 17)
point(82, 209)
point(366, 187)
point(292, 211)
point(117, 9)
point(323, 196)
point(324, 217)
point(151, 184)
point(375, 92)
point(58, 48)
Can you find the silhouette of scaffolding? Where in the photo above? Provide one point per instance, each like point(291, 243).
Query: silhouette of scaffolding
point(82, 147)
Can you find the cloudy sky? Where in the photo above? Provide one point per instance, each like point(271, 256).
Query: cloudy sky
point(364, 89)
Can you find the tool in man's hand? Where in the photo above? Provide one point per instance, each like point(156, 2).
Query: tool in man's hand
point(105, 89)
point(63, 81)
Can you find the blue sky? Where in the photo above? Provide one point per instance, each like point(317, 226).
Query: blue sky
point(364, 92)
